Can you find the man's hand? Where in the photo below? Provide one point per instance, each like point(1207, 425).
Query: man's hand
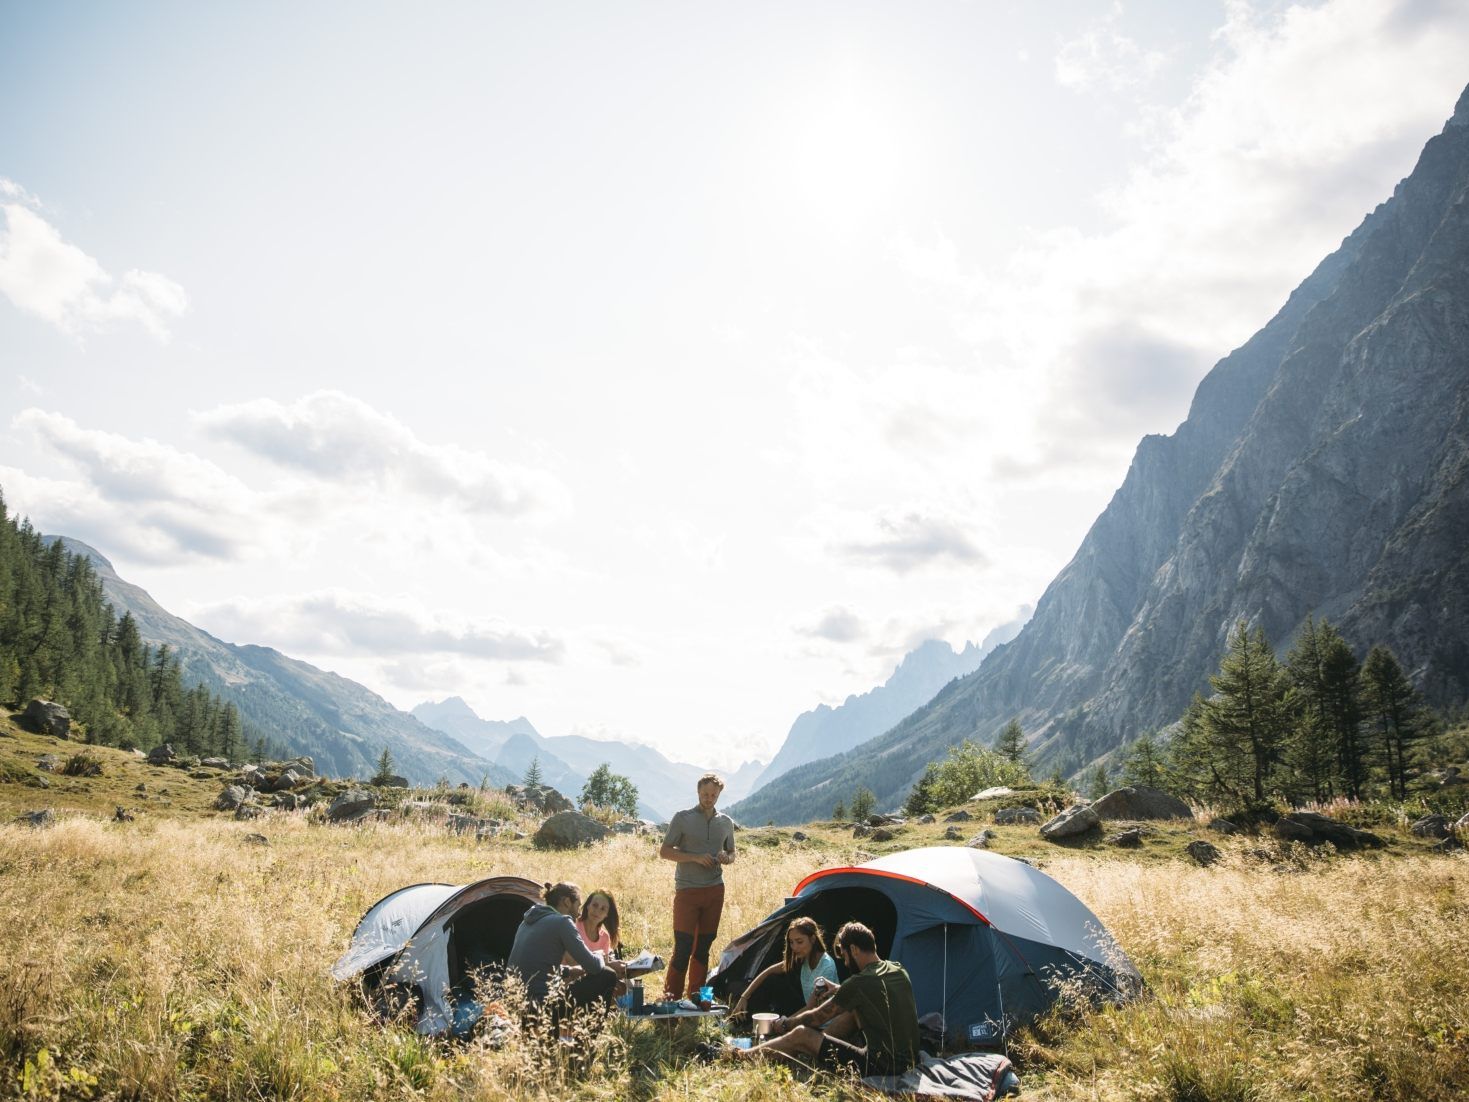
point(724, 857)
point(708, 860)
point(620, 967)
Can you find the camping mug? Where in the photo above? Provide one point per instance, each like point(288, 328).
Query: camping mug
point(635, 995)
point(763, 1023)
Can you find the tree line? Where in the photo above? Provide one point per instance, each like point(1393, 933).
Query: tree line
point(60, 639)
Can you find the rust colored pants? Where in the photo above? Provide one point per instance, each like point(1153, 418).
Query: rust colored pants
point(695, 926)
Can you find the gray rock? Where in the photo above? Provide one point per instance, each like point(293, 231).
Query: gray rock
point(215, 763)
point(539, 797)
point(49, 763)
point(926, 819)
point(882, 834)
point(202, 775)
point(43, 818)
point(960, 816)
point(1324, 829)
point(392, 781)
point(1223, 826)
point(798, 836)
point(289, 801)
point(350, 805)
point(992, 793)
point(162, 755)
point(140, 787)
point(256, 840)
point(1288, 830)
point(1461, 828)
point(1127, 839)
point(249, 811)
point(860, 830)
point(48, 717)
point(253, 776)
point(981, 840)
point(304, 766)
point(1450, 777)
point(1431, 826)
point(1009, 815)
point(1203, 853)
point(568, 830)
point(1076, 819)
point(464, 824)
point(38, 782)
point(286, 781)
point(232, 797)
point(1141, 802)
point(953, 834)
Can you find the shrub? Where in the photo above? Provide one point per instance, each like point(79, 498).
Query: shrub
point(82, 764)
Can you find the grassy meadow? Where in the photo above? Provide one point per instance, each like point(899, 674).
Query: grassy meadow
point(172, 957)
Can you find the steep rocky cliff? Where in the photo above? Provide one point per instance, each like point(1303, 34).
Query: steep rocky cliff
point(1322, 470)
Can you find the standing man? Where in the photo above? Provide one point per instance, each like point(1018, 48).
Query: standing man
point(701, 841)
point(876, 999)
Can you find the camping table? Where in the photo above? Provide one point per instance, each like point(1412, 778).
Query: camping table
point(673, 1016)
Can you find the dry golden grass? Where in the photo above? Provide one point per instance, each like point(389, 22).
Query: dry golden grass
point(166, 959)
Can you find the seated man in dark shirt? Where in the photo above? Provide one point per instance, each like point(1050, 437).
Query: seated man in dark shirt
point(547, 935)
point(877, 999)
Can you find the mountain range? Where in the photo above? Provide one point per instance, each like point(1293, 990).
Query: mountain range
point(1323, 470)
point(925, 670)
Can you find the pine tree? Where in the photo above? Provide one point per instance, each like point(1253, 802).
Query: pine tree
point(532, 778)
point(1098, 782)
point(1010, 743)
point(1143, 764)
point(1241, 728)
point(839, 813)
point(385, 766)
point(1395, 712)
point(863, 802)
point(613, 791)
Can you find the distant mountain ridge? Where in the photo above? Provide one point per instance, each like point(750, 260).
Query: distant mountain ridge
point(1323, 470)
point(920, 674)
point(566, 761)
point(342, 725)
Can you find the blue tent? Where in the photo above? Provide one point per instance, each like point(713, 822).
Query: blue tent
point(987, 940)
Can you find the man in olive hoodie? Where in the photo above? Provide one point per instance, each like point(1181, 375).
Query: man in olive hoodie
point(546, 935)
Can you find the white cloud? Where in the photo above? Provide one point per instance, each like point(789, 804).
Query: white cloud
point(912, 539)
point(138, 498)
point(1103, 56)
point(342, 623)
point(59, 283)
point(333, 436)
point(1300, 126)
point(838, 625)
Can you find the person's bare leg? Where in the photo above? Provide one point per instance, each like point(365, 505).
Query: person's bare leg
point(801, 1041)
point(843, 1026)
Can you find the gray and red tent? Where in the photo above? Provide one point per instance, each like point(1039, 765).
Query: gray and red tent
point(987, 940)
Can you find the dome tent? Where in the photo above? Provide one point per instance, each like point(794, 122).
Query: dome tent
point(427, 942)
point(986, 939)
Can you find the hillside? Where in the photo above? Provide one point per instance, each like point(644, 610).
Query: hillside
point(1323, 470)
point(300, 709)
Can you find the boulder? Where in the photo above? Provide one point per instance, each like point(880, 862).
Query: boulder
point(215, 763)
point(953, 834)
point(992, 793)
point(1288, 830)
point(392, 780)
point(1007, 815)
point(305, 766)
point(1203, 853)
point(960, 816)
point(882, 834)
point(1141, 802)
point(48, 717)
point(539, 797)
point(464, 824)
point(256, 840)
point(288, 801)
point(162, 755)
point(568, 830)
point(43, 818)
point(1461, 828)
point(884, 820)
point(140, 788)
point(49, 763)
point(1325, 829)
point(798, 836)
point(246, 812)
point(122, 815)
point(287, 781)
point(926, 819)
point(981, 840)
point(1076, 819)
point(1223, 826)
point(1450, 777)
point(232, 797)
point(1431, 826)
point(1131, 838)
point(860, 830)
point(350, 805)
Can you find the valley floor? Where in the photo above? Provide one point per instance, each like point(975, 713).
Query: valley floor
point(169, 959)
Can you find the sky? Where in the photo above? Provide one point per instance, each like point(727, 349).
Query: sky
point(655, 371)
